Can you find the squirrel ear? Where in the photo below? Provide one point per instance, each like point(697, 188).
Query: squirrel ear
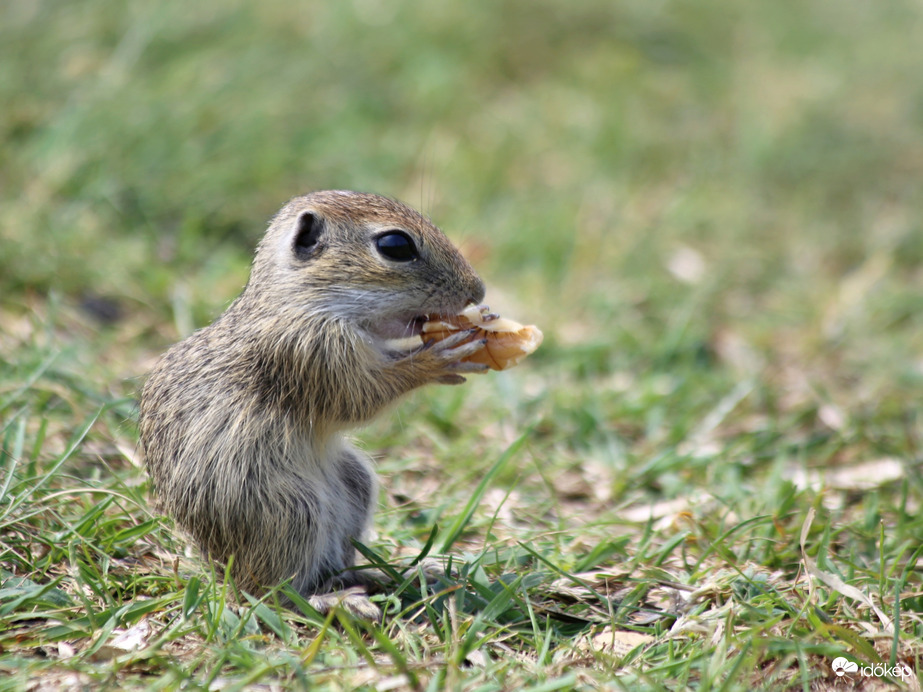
point(307, 236)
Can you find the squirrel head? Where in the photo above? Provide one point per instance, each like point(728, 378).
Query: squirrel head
point(364, 259)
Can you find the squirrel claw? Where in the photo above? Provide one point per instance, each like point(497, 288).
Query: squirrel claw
point(466, 349)
point(450, 341)
point(353, 600)
point(451, 379)
point(465, 366)
point(455, 361)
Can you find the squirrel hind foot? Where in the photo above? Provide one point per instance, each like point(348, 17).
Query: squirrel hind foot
point(353, 600)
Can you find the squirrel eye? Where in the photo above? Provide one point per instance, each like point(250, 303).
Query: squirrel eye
point(396, 246)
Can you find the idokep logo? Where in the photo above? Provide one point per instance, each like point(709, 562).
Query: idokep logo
point(843, 666)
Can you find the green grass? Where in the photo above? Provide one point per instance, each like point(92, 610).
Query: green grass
point(712, 209)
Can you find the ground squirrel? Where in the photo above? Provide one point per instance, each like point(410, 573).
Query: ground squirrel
point(241, 424)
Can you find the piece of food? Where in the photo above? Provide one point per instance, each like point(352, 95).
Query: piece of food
point(508, 342)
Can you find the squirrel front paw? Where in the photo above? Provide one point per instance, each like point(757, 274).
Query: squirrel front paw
point(444, 361)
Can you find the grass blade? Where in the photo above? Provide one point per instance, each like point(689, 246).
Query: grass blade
point(458, 526)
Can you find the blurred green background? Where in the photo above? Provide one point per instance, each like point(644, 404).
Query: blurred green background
point(717, 182)
point(713, 210)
